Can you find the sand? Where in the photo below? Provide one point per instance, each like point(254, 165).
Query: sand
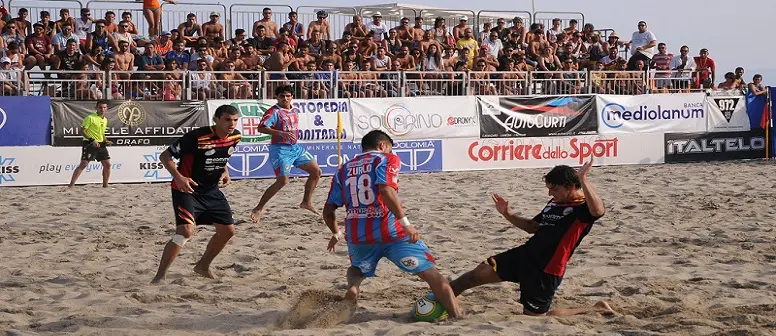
point(683, 249)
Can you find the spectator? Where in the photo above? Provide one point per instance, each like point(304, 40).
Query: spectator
point(60, 39)
point(152, 11)
point(12, 35)
point(94, 58)
point(661, 62)
point(458, 30)
point(614, 40)
point(537, 45)
point(280, 61)
point(190, 30)
point(440, 33)
point(240, 37)
point(126, 17)
point(49, 27)
point(16, 57)
point(417, 59)
point(344, 42)
point(252, 60)
point(465, 56)
point(729, 83)
point(213, 28)
point(642, 46)
point(100, 37)
point(322, 25)
point(179, 54)
point(349, 86)
point(378, 28)
point(380, 61)
point(272, 29)
point(39, 48)
point(237, 86)
point(9, 78)
point(610, 61)
point(66, 59)
point(84, 26)
point(428, 40)
point(264, 45)
point(218, 49)
point(302, 58)
point(707, 70)
point(417, 30)
point(684, 66)
point(64, 15)
point(285, 38)
point(367, 47)
point(294, 26)
point(406, 62)
point(164, 43)
point(433, 60)
point(495, 47)
point(597, 49)
point(402, 32)
point(22, 25)
point(331, 54)
point(122, 34)
point(566, 52)
point(552, 33)
point(485, 32)
point(150, 60)
point(356, 29)
point(548, 61)
point(467, 41)
point(479, 79)
point(572, 29)
point(317, 45)
point(598, 79)
point(110, 26)
point(202, 81)
point(517, 27)
point(202, 53)
point(393, 42)
point(740, 83)
point(756, 87)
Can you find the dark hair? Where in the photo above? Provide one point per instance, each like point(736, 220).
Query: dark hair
point(109, 13)
point(101, 101)
point(283, 89)
point(564, 176)
point(374, 138)
point(239, 31)
point(757, 76)
point(225, 109)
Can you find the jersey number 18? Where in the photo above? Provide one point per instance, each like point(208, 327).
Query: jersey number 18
point(360, 190)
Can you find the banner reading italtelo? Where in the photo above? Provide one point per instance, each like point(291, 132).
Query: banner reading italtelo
point(726, 113)
point(658, 113)
point(512, 117)
point(416, 118)
point(130, 123)
point(317, 118)
point(715, 146)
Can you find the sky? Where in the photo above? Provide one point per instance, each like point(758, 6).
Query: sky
point(736, 33)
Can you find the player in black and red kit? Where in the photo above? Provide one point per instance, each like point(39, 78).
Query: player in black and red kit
point(196, 196)
point(539, 264)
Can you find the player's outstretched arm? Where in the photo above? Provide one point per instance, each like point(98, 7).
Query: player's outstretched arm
point(525, 224)
point(594, 202)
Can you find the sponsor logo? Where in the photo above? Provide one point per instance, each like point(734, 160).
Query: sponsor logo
point(153, 168)
point(8, 169)
point(131, 113)
point(3, 118)
point(250, 117)
point(398, 120)
point(210, 152)
point(715, 145)
point(539, 121)
point(511, 151)
point(727, 106)
point(416, 154)
point(365, 266)
point(410, 263)
point(568, 211)
point(248, 159)
point(614, 115)
point(453, 121)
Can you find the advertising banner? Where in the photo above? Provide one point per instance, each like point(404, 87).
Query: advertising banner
point(130, 123)
point(25, 121)
point(417, 118)
point(726, 114)
point(252, 160)
point(483, 154)
point(659, 113)
point(512, 117)
point(716, 146)
point(317, 118)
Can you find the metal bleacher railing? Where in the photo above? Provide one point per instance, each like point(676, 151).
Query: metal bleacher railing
point(188, 85)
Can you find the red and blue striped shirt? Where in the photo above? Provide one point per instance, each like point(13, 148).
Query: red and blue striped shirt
point(355, 185)
point(281, 119)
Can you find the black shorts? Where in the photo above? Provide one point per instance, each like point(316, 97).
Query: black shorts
point(537, 288)
point(208, 208)
point(90, 152)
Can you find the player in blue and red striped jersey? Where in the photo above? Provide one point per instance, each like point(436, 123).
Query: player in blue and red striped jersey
point(539, 264)
point(376, 225)
point(281, 121)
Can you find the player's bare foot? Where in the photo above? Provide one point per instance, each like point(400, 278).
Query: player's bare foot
point(157, 280)
point(308, 206)
point(256, 214)
point(604, 308)
point(205, 272)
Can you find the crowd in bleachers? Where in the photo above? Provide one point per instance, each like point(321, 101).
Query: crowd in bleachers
point(496, 59)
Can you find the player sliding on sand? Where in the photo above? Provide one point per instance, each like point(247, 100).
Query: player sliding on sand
point(282, 122)
point(539, 264)
point(376, 225)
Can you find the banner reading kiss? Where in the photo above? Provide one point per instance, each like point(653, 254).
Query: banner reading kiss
point(130, 123)
point(512, 117)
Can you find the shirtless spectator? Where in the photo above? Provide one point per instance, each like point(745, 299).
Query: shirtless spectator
point(332, 55)
point(349, 86)
point(512, 81)
point(213, 28)
point(272, 29)
point(378, 28)
point(458, 30)
point(39, 48)
point(380, 61)
point(64, 17)
point(491, 62)
point(370, 78)
point(479, 79)
point(237, 86)
point(368, 47)
point(252, 60)
point(683, 66)
point(406, 62)
point(280, 61)
point(294, 26)
point(572, 28)
point(321, 25)
point(235, 56)
point(110, 22)
point(302, 58)
point(218, 49)
point(537, 45)
point(519, 28)
point(403, 32)
point(740, 83)
point(60, 39)
point(356, 28)
point(417, 30)
point(125, 60)
point(707, 70)
point(190, 30)
point(132, 27)
point(494, 44)
point(428, 40)
point(22, 25)
point(344, 42)
point(179, 54)
point(729, 84)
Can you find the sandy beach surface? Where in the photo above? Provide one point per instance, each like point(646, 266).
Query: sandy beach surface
point(684, 249)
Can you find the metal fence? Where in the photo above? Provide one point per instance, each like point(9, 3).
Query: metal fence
point(200, 85)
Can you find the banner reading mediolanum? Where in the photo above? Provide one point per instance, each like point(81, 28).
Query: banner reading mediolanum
point(317, 118)
point(130, 123)
point(512, 117)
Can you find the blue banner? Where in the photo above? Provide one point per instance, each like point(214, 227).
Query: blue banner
point(25, 121)
point(252, 160)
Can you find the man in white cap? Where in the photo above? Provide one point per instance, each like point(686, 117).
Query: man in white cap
point(8, 78)
point(379, 28)
point(459, 29)
point(213, 28)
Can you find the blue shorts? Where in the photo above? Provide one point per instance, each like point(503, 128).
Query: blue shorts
point(410, 258)
point(285, 157)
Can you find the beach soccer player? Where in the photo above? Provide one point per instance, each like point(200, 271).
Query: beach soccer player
point(539, 264)
point(281, 121)
point(94, 146)
point(196, 196)
point(376, 225)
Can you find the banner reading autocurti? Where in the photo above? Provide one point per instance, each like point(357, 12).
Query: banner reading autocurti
point(715, 146)
point(130, 123)
point(513, 117)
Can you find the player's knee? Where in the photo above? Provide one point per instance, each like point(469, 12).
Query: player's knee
point(225, 230)
point(316, 173)
point(282, 181)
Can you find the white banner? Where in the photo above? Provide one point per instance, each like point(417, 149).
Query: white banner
point(611, 149)
point(45, 165)
point(652, 113)
point(416, 118)
point(727, 114)
point(317, 118)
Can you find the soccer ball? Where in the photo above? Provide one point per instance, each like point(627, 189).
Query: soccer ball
point(428, 309)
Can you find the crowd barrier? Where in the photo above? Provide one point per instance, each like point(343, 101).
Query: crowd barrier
point(432, 134)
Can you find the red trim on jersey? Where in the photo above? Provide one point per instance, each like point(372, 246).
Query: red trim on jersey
point(351, 225)
point(557, 265)
point(185, 167)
